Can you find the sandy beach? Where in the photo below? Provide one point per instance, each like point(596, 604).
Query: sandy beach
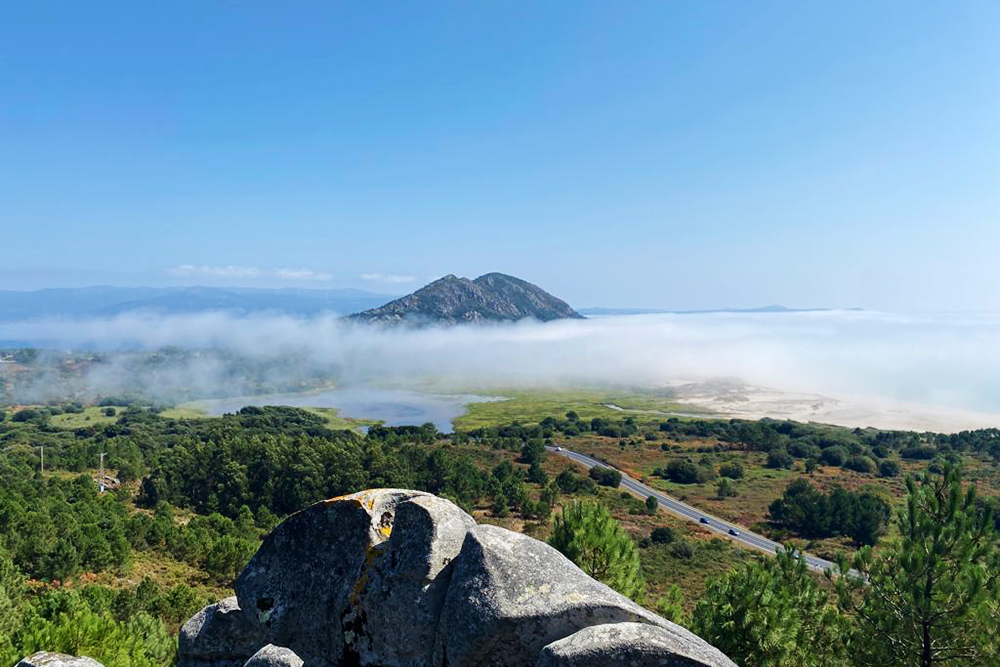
point(731, 398)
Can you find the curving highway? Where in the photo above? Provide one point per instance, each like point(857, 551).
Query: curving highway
point(685, 511)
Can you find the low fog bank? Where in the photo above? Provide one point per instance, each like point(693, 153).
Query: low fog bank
point(943, 360)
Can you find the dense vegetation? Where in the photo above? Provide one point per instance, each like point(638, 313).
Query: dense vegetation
point(588, 536)
point(196, 495)
point(199, 493)
point(928, 598)
point(863, 516)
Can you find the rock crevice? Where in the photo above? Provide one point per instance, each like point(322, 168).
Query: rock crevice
point(398, 578)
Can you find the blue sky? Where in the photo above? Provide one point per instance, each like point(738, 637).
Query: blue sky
point(657, 154)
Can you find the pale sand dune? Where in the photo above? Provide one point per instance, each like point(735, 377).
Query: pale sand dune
point(734, 399)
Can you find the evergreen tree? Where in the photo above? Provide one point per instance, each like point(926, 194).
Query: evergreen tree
point(587, 535)
point(227, 558)
point(869, 520)
point(501, 507)
point(533, 451)
point(550, 494)
point(12, 591)
point(670, 605)
point(930, 597)
point(536, 475)
point(771, 613)
point(724, 489)
point(141, 642)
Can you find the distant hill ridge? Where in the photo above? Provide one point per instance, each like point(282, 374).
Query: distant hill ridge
point(660, 311)
point(105, 301)
point(494, 297)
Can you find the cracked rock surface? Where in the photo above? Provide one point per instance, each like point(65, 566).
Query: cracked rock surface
point(399, 578)
point(302, 587)
point(220, 635)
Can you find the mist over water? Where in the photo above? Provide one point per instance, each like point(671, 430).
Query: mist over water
point(948, 360)
point(393, 407)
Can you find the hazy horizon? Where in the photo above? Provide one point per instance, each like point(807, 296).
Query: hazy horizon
point(392, 292)
point(951, 361)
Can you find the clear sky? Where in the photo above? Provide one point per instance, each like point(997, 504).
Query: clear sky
point(675, 154)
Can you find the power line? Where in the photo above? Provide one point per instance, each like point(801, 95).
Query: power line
point(41, 455)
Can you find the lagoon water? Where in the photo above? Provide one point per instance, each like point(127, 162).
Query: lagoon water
point(393, 407)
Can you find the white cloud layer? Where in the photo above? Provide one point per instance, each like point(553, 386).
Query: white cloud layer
point(388, 278)
point(948, 360)
point(303, 274)
point(230, 271)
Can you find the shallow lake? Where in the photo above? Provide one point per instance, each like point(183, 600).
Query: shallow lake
point(393, 407)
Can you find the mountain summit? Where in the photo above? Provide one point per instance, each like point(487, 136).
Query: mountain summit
point(494, 297)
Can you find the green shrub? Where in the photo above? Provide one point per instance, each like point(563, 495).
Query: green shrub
point(662, 535)
point(861, 464)
point(731, 470)
point(888, 468)
point(779, 458)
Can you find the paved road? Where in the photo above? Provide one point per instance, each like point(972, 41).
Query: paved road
point(685, 511)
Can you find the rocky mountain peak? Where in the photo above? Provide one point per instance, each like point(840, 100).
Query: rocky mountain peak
point(493, 297)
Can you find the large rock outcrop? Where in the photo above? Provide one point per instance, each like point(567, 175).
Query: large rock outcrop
point(397, 578)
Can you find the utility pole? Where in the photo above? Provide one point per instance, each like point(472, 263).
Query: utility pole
point(100, 480)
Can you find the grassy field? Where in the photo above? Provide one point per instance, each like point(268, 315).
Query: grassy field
point(186, 411)
point(92, 416)
point(196, 410)
point(529, 406)
point(335, 421)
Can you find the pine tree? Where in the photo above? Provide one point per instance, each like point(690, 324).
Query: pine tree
point(227, 557)
point(501, 507)
point(536, 475)
point(12, 590)
point(588, 535)
point(670, 606)
point(771, 613)
point(141, 642)
point(724, 489)
point(930, 597)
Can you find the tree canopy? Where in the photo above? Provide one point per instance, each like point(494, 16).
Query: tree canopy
point(771, 613)
point(929, 597)
point(586, 534)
